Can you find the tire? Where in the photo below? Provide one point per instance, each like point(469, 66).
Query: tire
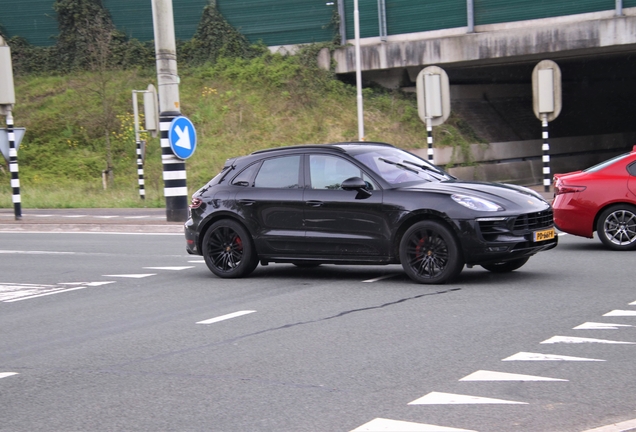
point(430, 254)
point(616, 227)
point(228, 250)
point(506, 266)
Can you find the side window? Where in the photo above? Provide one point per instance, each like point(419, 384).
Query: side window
point(631, 169)
point(246, 176)
point(328, 172)
point(280, 173)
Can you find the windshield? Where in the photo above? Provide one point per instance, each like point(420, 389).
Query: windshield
point(397, 166)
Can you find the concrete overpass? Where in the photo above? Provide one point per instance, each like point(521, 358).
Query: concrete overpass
point(490, 71)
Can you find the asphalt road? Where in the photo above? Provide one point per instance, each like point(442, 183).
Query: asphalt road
point(125, 331)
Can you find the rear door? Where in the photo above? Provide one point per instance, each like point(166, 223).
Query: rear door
point(271, 202)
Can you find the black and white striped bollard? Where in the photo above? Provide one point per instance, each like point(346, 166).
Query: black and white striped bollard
point(174, 174)
point(13, 168)
point(140, 171)
point(546, 155)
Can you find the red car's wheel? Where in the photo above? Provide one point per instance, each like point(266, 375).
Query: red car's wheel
point(616, 227)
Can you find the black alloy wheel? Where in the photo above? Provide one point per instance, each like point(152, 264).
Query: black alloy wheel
point(228, 250)
point(506, 266)
point(430, 254)
point(616, 227)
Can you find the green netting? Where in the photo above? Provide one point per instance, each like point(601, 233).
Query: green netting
point(498, 11)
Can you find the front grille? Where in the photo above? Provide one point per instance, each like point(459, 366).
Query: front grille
point(534, 221)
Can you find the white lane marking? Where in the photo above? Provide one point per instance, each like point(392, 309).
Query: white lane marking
point(197, 261)
point(526, 356)
point(105, 217)
point(380, 278)
point(617, 312)
point(7, 374)
point(437, 398)
point(35, 252)
point(599, 326)
point(578, 340)
point(169, 268)
point(562, 234)
point(633, 303)
point(616, 427)
point(483, 375)
point(387, 425)
point(134, 276)
point(226, 317)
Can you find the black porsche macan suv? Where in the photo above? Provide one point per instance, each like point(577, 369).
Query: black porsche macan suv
point(361, 203)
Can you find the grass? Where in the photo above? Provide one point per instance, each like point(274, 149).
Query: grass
point(238, 106)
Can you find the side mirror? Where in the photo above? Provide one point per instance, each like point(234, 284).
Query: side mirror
point(357, 184)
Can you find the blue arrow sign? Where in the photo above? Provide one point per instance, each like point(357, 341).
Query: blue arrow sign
point(182, 137)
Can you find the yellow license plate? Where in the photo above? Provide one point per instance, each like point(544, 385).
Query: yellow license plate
point(544, 235)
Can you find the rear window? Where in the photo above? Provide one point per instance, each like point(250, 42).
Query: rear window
point(606, 163)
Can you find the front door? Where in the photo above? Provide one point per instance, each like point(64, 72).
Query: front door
point(342, 224)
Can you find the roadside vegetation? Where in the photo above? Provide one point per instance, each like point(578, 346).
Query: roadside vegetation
point(240, 97)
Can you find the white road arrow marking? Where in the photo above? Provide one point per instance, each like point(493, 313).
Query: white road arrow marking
point(599, 326)
point(483, 375)
point(184, 137)
point(621, 313)
point(7, 374)
point(386, 425)
point(578, 340)
point(437, 398)
point(526, 356)
point(226, 317)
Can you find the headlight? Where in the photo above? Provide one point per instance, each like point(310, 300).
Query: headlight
point(474, 203)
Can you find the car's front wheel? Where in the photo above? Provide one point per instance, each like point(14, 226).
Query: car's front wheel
point(616, 227)
point(228, 250)
point(430, 254)
point(506, 266)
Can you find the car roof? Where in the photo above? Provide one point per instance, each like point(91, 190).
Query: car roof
point(339, 147)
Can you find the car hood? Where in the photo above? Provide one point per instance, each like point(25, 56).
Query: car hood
point(507, 195)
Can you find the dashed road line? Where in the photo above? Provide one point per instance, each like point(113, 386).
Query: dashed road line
point(387, 425)
point(578, 340)
point(226, 317)
point(7, 374)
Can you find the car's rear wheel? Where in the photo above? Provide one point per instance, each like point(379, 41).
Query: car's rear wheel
point(616, 227)
point(228, 250)
point(430, 254)
point(506, 266)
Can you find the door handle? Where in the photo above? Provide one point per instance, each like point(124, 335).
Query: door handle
point(313, 203)
point(246, 202)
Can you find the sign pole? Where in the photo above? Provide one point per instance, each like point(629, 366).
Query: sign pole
point(174, 169)
point(140, 160)
point(546, 104)
point(13, 167)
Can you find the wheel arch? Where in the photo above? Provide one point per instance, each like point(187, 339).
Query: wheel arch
point(424, 216)
point(205, 225)
point(608, 205)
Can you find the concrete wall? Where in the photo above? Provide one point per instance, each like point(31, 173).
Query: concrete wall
point(520, 162)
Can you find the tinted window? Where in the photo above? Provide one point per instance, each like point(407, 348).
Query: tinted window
point(606, 163)
point(328, 172)
point(631, 168)
point(280, 173)
point(246, 176)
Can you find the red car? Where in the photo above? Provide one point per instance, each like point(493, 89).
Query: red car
point(602, 199)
